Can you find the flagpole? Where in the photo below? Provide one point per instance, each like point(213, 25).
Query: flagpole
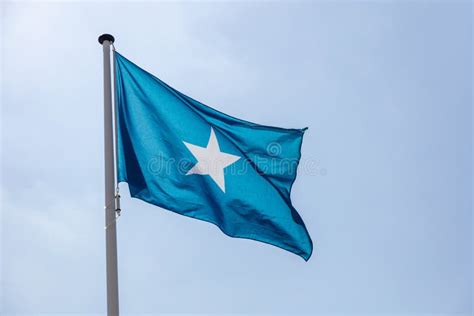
point(110, 224)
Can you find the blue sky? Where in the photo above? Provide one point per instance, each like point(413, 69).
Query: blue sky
point(385, 187)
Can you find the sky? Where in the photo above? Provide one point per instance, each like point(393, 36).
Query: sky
point(384, 186)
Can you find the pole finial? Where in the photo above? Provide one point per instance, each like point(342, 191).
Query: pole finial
point(106, 37)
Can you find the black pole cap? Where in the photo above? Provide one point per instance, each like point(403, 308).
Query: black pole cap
point(106, 37)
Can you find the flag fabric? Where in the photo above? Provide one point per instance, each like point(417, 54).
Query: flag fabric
point(181, 155)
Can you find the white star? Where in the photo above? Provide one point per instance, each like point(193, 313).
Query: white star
point(211, 161)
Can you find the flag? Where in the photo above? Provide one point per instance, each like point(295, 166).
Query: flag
point(183, 156)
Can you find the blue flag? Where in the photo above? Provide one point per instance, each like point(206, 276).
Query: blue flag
point(181, 155)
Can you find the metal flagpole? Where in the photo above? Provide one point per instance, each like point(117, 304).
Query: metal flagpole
point(110, 218)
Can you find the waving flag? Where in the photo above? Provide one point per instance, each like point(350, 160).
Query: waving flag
point(181, 155)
